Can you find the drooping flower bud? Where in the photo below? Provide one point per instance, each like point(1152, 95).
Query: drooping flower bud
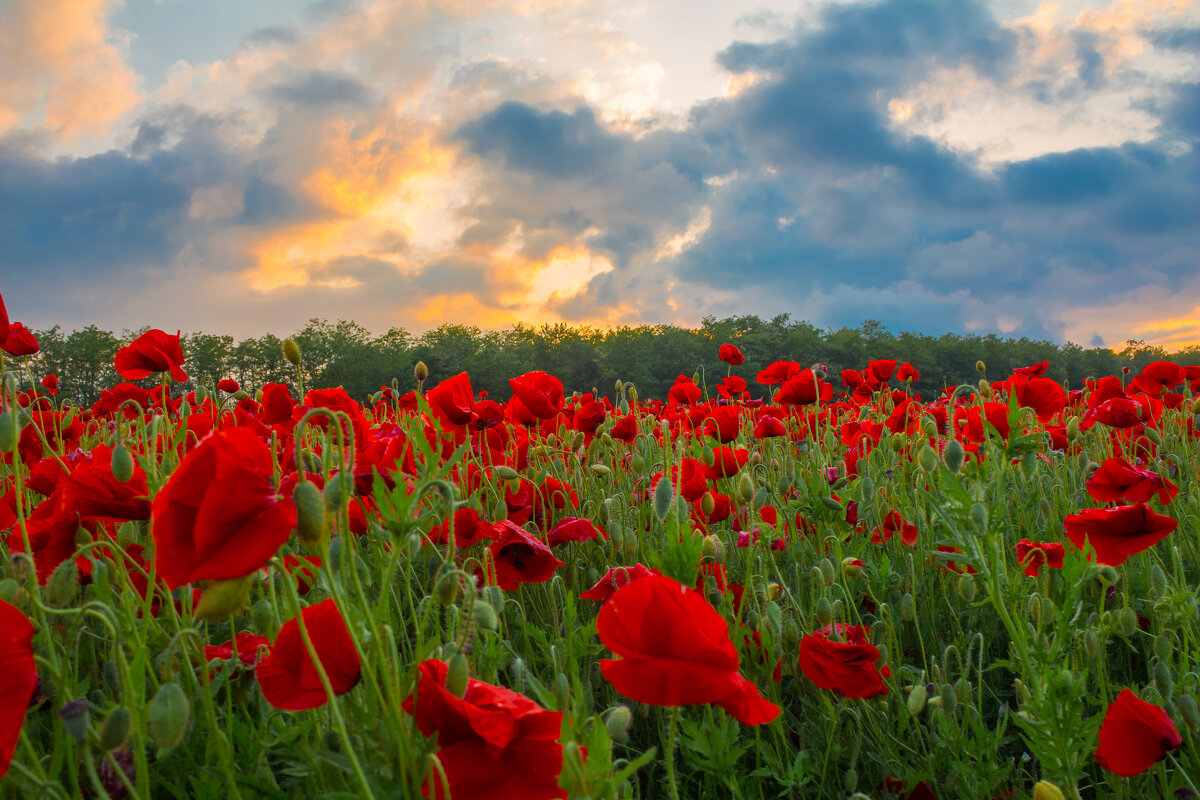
point(310, 512)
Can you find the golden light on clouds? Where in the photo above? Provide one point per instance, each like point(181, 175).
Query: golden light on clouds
point(1172, 333)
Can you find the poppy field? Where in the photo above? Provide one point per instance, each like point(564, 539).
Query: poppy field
point(786, 583)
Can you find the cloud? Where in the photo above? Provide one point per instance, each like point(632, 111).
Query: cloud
point(61, 66)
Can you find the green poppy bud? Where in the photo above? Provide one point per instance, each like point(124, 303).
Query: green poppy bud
point(664, 498)
point(76, 719)
point(222, 599)
point(458, 675)
point(916, 699)
point(310, 512)
point(121, 463)
point(115, 728)
point(291, 351)
point(953, 456)
point(618, 723)
point(169, 714)
point(63, 584)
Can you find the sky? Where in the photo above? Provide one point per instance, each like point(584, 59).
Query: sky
point(942, 166)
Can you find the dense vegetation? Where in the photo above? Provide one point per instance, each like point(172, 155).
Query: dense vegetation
point(650, 357)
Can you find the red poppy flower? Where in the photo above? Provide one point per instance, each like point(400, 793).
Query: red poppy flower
point(20, 677)
point(493, 743)
point(1135, 736)
point(19, 342)
point(1116, 412)
point(723, 423)
point(50, 384)
point(218, 516)
point(1117, 479)
point(248, 647)
point(1032, 555)
point(1118, 533)
point(893, 523)
point(625, 429)
point(778, 372)
point(289, 677)
point(468, 529)
point(675, 650)
point(521, 557)
point(802, 389)
point(731, 387)
point(153, 351)
point(539, 392)
point(907, 372)
point(614, 579)
point(228, 385)
point(4, 326)
point(684, 392)
point(731, 355)
point(727, 461)
point(452, 399)
point(1157, 377)
point(845, 666)
point(93, 492)
point(882, 369)
point(768, 427)
point(574, 529)
point(1044, 396)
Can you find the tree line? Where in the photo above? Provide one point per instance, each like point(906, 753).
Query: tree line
point(344, 353)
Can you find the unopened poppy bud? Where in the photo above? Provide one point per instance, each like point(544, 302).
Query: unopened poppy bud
point(1162, 648)
point(774, 591)
point(949, 702)
point(618, 723)
point(76, 719)
point(562, 692)
point(916, 699)
point(339, 488)
point(170, 711)
point(420, 372)
point(8, 589)
point(310, 512)
point(908, 608)
point(506, 473)
point(484, 616)
point(979, 516)
point(448, 587)
point(828, 575)
point(1153, 436)
point(1189, 710)
point(1108, 574)
point(1158, 582)
point(1091, 644)
point(222, 599)
point(240, 394)
point(1127, 621)
point(1073, 429)
point(602, 470)
point(980, 366)
point(1164, 681)
point(262, 614)
point(458, 675)
point(852, 567)
point(746, 488)
point(63, 584)
point(985, 388)
point(850, 780)
point(708, 503)
point(8, 432)
point(291, 351)
point(710, 548)
point(927, 458)
point(824, 611)
point(115, 728)
point(967, 588)
point(831, 504)
point(1045, 790)
point(953, 456)
point(121, 463)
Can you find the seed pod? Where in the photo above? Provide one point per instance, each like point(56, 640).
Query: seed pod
point(618, 723)
point(310, 512)
point(457, 675)
point(170, 712)
point(291, 351)
point(121, 463)
point(115, 728)
point(953, 456)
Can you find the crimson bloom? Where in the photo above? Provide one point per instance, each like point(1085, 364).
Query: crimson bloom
point(614, 579)
point(845, 665)
point(1033, 554)
point(1157, 377)
point(684, 391)
point(19, 342)
point(4, 325)
point(20, 676)
point(1135, 735)
point(675, 650)
point(540, 392)
point(907, 372)
point(1117, 479)
point(574, 529)
point(246, 646)
point(452, 399)
point(731, 355)
point(493, 743)
point(50, 384)
point(1118, 533)
point(802, 389)
point(228, 385)
point(218, 516)
point(778, 372)
point(153, 351)
point(468, 529)
point(289, 677)
point(520, 557)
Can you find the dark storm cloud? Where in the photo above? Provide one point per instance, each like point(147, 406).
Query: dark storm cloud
point(549, 143)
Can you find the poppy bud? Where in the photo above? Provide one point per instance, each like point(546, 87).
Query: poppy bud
point(949, 702)
point(1127, 621)
point(908, 608)
point(1108, 575)
point(310, 512)
point(1045, 790)
point(980, 366)
point(1073, 429)
point(1091, 644)
point(979, 516)
point(1189, 711)
point(619, 720)
point(169, 714)
point(967, 589)
point(506, 473)
point(339, 488)
point(828, 576)
point(222, 599)
point(8, 432)
point(831, 504)
point(852, 567)
point(76, 719)
point(774, 592)
point(1164, 681)
point(291, 351)
point(263, 616)
point(927, 458)
point(708, 503)
point(664, 498)
point(1162, 648)
point(637, 464)
point(447, 586)
point(1153, 436)
point(8, 590)
point(746, 488)
point(953, 456)
point(1158, 582)
point(824, 611)
point(710, 548)
point(115, 728)
point(633, 395)
point(63, 584)
point(458, 675)
point(850, 780)
point(916, 699)
point(602, 470)
point(484, 616)
point(121, 464)
point(985, 388)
